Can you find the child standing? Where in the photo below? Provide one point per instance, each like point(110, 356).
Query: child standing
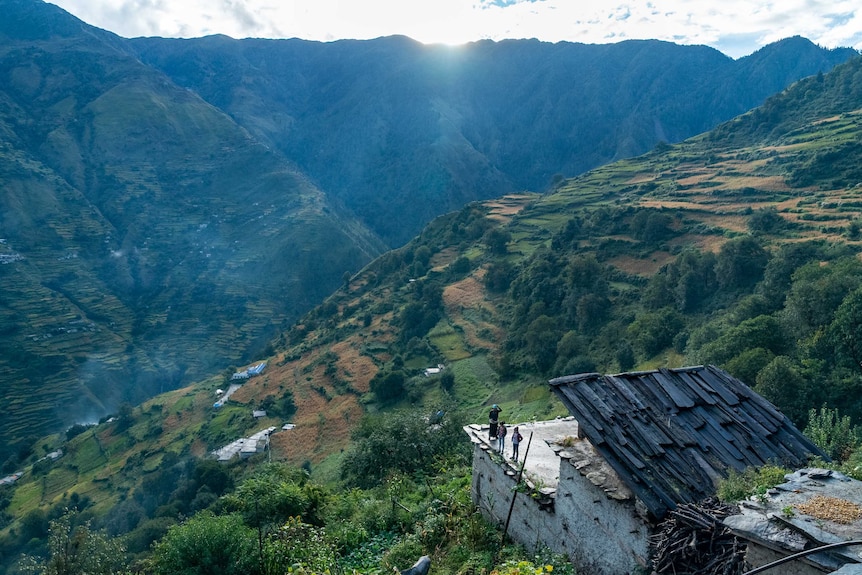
point(501, 437)
point(517, 438)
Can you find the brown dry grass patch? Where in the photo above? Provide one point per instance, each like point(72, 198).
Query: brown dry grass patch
point(768, 183)
point(697, 178)
point(641, 178)
point(476, 341)
point(443, 258)
point(316, 436)
point(469, 294)
point(502, 209)
point(686, 205)
point(360, 367)
point(466, 293)
point(641, 266)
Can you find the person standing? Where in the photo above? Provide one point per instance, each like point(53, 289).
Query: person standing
point(493, 416)
point(501, 437)
point(517, 438)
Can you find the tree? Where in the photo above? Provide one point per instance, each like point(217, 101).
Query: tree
point(654, 331)
point(497, 240)
point(77, 550)
point(388, 385)
point(592, 309)
point(274, 494)
point(748, 364)
point(817, 293)
point(686, 283)
point(651, 226)
point(460, 266)
point(740, 263)
point(778, 275)
point(213, 475)
point(781, 383)
point(207, 544)
point(845, 331)
point(763, 331)
point(541, 338)
point(447, 380)
point(765, 220)
point(499, 276)
point(625, 356)
point(125, 416)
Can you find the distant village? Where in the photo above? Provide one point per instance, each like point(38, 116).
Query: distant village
point(245, 447)
point(250, 372)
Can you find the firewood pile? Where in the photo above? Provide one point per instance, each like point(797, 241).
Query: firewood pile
point(693, 539)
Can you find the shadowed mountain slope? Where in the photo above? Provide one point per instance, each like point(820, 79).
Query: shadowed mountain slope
point(145, 238)
point(401, 132)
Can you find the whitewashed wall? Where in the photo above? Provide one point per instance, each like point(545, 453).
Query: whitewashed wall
point(601, 535)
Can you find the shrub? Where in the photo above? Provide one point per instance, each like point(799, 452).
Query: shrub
point(207, 543)
point(404, 441)
point(752, 481)
point(832, 433)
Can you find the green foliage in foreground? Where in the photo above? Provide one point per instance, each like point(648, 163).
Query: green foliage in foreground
point(277, 521)
point(404, 442)
point(207, 544)
point(77, 549)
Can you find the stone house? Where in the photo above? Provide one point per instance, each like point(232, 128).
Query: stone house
point(812, 522)
point(637, 445)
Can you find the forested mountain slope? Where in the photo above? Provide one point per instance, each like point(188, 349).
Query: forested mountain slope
point(727, 248)
point(150, 236)
point(732, 248)
point(401, 132)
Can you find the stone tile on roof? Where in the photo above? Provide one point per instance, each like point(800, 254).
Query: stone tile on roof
point(671, 433)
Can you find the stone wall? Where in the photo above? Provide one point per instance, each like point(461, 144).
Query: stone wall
point(492, 491)
point(601, 535)
point(609, 535)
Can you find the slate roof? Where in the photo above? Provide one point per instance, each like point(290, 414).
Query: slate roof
point(672, 433)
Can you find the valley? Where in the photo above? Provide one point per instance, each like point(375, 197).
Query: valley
point(352, 213)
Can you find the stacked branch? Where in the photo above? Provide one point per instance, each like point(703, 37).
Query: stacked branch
point(693, 539)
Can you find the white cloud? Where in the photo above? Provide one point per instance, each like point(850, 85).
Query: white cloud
point(737, 27)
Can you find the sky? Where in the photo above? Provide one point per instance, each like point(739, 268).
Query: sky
point(735, 27)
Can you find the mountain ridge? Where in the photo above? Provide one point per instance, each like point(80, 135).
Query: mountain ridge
point(478, 106)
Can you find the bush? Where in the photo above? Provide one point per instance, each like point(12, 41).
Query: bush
point(404, 441)
point(752, 481)
point(832, 433)
point(298, 543)
point(77, 549)
point(207, 543)
point(388, 385)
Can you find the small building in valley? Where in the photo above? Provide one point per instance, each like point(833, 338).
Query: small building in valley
point(637, 445)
